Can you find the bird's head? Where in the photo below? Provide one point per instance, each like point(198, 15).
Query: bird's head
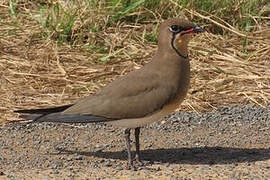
point(176, 33)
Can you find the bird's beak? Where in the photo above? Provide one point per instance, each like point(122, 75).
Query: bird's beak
point(194, 29)
point(198, 29)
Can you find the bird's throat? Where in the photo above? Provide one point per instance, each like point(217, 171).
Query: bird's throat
point(173, 42)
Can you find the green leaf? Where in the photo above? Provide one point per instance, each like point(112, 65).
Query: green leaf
point(127, 9)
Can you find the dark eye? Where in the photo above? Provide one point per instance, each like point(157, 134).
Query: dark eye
point(175, 28)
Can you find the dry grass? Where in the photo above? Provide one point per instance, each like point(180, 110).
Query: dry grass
point(38, 72)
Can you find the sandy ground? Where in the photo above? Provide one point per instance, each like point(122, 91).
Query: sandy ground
point(230, 143)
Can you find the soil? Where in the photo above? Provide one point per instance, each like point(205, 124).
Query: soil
point(228, 143)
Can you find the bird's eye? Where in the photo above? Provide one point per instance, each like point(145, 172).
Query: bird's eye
point(175, 28)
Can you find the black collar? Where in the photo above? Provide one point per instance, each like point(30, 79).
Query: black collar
point(176, 50)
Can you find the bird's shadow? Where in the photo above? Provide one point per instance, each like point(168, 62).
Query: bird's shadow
point(195, 155)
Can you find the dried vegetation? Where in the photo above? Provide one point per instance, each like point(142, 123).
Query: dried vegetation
point(51, 57)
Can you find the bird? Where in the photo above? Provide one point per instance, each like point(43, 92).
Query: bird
point(139, 98)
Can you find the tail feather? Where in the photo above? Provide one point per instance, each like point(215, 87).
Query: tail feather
point(55, 115)
point(44, 111)
point(65, 118)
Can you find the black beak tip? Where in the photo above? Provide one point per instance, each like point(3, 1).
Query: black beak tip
point(198, 29)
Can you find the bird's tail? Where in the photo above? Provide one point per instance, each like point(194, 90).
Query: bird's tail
point(55, 115)
point(44, 111)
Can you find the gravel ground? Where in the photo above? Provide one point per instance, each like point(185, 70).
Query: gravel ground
point(229, 143)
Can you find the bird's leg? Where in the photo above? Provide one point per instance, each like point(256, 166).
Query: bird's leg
point(137, 143)
point(127, 137)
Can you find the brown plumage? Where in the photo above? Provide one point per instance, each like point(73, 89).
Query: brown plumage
point(140, 97)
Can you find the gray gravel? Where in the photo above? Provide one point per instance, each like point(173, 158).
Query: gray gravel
point(212, 143)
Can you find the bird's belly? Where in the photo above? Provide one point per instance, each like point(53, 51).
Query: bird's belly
point(136, 122)
point(139, 122)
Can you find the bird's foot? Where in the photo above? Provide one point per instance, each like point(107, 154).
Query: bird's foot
point(130, 166)
point(137, 164)
point(140, 165)
point(134, 165)
point(137, 160)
